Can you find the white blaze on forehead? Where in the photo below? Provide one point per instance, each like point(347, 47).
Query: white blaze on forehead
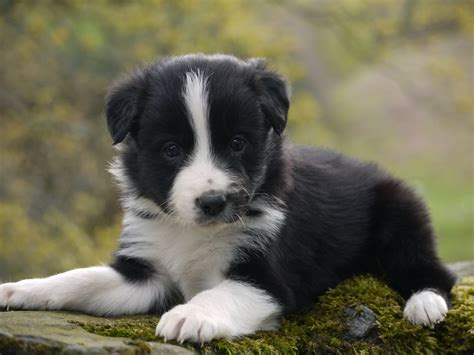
point(196, 100)
point(200, 174)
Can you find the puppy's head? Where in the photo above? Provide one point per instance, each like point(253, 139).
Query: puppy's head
point(198, 133)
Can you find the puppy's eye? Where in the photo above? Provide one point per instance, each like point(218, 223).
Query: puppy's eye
point(237, 144)
point(172, 150)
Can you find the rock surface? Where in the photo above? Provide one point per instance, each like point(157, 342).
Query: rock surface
point(60, 332)
point(360, 321)
point(462, 269)
point(360, 315)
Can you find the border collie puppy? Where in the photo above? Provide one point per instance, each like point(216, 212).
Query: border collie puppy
point(227, 226)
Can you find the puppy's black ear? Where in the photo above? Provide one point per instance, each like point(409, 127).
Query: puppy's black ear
point(274, 95)
point(122, 105)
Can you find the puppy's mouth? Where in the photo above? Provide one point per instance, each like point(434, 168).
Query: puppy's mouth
point(235, 219)
point(237, 211)
point(230, 217)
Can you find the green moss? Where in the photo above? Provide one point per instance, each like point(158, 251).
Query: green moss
point(142, 328)
point(141, 346)
point(321, 328)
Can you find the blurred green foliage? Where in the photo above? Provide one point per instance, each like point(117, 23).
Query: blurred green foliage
point(385, 80)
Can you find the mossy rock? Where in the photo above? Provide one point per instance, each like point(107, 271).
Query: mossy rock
point(23, 332)
point(320, 329)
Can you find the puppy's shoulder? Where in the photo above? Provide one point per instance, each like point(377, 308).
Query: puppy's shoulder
point(324, 162)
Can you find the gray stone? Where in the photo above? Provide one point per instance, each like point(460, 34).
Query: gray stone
point(59, 333)
point(360, 320)
point(462, 269)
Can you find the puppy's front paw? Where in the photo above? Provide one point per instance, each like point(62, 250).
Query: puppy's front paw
point(190, 322)
point(20, 295)
point(7, 290)
point(426, 308)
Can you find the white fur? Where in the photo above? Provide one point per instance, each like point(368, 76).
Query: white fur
point(193, 181)
point(195, 258)
point(201, 174)
point(425, 307)
point(196, 99)
point(272, 218)
point(96, 290)
point(228, 310)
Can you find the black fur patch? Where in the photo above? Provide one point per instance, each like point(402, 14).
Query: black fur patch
point(345, 217)
point(133, 269)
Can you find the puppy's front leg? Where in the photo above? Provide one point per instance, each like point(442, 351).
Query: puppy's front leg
point(99, 290)
point(229, 310)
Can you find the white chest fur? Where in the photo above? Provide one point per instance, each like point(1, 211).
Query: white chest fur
point(194, 259)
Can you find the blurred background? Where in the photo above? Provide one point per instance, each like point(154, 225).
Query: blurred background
point(385, 80)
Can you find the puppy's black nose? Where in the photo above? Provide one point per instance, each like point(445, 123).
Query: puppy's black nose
point(211, 203)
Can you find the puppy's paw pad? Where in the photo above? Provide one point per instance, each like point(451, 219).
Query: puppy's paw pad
point(425, 308)
point(187, 323)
